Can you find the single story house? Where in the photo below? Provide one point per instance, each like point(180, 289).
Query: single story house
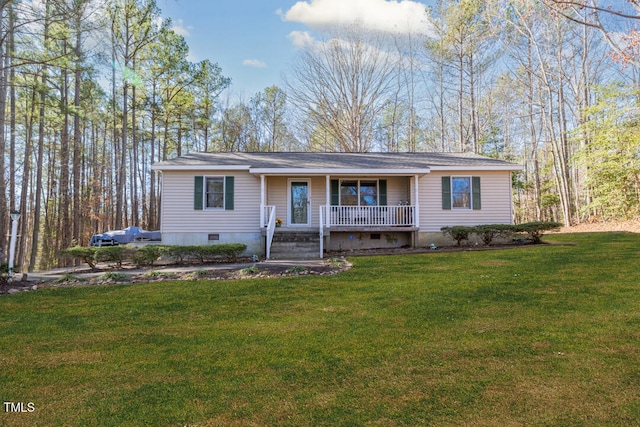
point(315, 201)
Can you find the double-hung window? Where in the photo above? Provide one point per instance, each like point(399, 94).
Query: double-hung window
point(214, 196)
point(461, 192)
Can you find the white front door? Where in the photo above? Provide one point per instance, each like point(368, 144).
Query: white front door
point(299, 202)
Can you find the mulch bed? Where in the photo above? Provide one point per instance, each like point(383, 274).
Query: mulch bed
point(20, 286)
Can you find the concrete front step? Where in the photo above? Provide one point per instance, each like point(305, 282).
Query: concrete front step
point(295, 245)
point(295, 255)
point(296, 237)
point(294, 249)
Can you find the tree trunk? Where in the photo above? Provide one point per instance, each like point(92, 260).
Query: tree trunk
point(472, 100)
point(461, 103)
point(77, 136)
point(533, 136)
point(135, 220)
point(4, 219)
point(35, 240)
point(64, 228)
point(121, 186)
point(562, 151)
point(152, 220)
point(26, 174)
point(39, 161)
point(12, 120)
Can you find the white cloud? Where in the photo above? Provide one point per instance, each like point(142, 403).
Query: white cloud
point(255, 63)
point(380, 15)
point(179, 28)
point(301, 38)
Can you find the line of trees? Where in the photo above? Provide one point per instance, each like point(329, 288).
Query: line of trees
point(92, 93)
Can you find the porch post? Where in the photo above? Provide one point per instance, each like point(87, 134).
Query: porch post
point(328, 201)
point(263, 200)
point(416, 210)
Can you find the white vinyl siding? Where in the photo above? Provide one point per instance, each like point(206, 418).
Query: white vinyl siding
point(277, 195)
point(495, 190)
point(179, 216)
point(398, 190)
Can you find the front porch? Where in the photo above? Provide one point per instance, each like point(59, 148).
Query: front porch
point(342, 230)
point(339, 206)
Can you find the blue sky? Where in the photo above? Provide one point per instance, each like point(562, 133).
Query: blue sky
point(255, 41)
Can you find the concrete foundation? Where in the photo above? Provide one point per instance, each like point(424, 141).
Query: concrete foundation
point(356, 240)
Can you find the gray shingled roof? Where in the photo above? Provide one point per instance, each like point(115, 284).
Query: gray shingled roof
point(315, 160)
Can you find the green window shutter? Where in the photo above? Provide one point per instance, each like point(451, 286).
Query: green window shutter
point(335, 192)
point(446, 192)
point(475, 188)
point(383, 192)
point(228, 193)
point(198, 193)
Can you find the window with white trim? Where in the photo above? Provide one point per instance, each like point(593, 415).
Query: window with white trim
point(461, 192)
point(214, 192)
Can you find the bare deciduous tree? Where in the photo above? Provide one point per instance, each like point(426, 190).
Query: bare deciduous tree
point(610, 18)
point(342, 85)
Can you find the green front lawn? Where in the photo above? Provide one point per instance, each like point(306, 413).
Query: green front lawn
point(537, 335)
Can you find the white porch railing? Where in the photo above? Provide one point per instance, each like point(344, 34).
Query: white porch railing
point(370, 216)
point(266, 214)
point(270, 213)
